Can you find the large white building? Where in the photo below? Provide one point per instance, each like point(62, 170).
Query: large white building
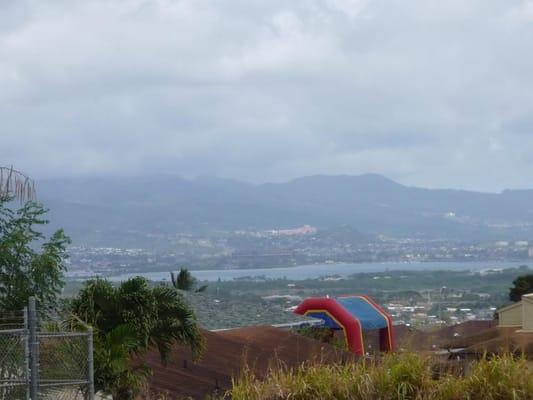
point(518, 315)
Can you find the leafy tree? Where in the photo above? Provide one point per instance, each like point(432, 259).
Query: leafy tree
point(114, 371)
point(128, 320)
point(30, 263)
point(186, 282)
point(521, 285)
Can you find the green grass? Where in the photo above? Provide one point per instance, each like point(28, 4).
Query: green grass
point(396, 376)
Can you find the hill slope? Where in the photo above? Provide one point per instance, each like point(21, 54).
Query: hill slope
point(369, 203)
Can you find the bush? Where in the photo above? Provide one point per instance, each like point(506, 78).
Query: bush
point(322, 334)
point(395, 376)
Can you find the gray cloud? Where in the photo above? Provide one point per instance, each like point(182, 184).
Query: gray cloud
point(430, 93)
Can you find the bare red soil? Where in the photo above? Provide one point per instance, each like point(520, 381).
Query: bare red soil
point(227, 353)
point(429, 340)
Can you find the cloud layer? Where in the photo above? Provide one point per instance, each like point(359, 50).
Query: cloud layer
point(429, 93)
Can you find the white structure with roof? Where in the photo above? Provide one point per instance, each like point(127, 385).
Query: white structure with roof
point(518, 315)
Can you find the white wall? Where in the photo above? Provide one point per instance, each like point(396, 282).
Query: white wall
point(511, 316)
point(527, 313)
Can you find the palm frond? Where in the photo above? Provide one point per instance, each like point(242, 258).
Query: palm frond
point(15, 183)
point(173, 279)
point(201, 289)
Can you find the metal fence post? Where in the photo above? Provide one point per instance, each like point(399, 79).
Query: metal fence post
point(34, 349)
point(26, 354)
point(90, 361)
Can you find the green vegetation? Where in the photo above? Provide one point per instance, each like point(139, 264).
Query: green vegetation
point(129, 320)
point(253, 301)
point(395, 376)
point(30, 263)
point(408, 282)
point(322, 334)
point(521, 285)
point(186, 282)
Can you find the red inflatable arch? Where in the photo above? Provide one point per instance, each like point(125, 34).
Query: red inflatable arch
point(352, 314)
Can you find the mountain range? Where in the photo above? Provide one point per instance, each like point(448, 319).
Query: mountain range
point(369, 203)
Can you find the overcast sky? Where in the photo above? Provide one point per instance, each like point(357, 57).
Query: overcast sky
point(429, 93)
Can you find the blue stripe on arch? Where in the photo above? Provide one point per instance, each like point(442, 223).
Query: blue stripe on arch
point(328, 321)
point(368, 316)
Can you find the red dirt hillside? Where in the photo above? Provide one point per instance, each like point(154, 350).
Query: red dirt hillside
point(225, 356)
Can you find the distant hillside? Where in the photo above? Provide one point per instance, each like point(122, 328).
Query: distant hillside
point(369, 203)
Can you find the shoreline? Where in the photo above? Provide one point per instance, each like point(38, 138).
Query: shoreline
point(315, 271)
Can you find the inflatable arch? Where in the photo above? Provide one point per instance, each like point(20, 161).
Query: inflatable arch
point(352, 314)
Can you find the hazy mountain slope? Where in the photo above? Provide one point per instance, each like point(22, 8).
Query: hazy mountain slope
point(369, 203)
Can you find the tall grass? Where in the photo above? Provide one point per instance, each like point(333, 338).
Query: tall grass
point(395, 376)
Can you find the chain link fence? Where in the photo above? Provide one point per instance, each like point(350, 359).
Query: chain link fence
point(13, 364)
point(38, 363)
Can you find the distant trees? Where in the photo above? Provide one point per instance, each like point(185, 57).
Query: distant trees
point(186, 282)
point(521, 285)
point(128, 320)
point(30, 263)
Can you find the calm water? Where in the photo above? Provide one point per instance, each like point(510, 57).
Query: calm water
point(319, 270)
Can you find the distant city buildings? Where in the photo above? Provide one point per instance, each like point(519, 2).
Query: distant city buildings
point(282, 248)
point(303, 230)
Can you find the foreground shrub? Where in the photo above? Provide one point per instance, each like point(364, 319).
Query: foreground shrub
point(500, 378)
point(396, 376)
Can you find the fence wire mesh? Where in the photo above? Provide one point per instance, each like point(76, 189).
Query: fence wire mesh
point(12, 320)
point(13, 364)
point(63, 369)
point(39, 359)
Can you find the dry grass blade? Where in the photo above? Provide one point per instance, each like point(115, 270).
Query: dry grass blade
point(406, 376)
